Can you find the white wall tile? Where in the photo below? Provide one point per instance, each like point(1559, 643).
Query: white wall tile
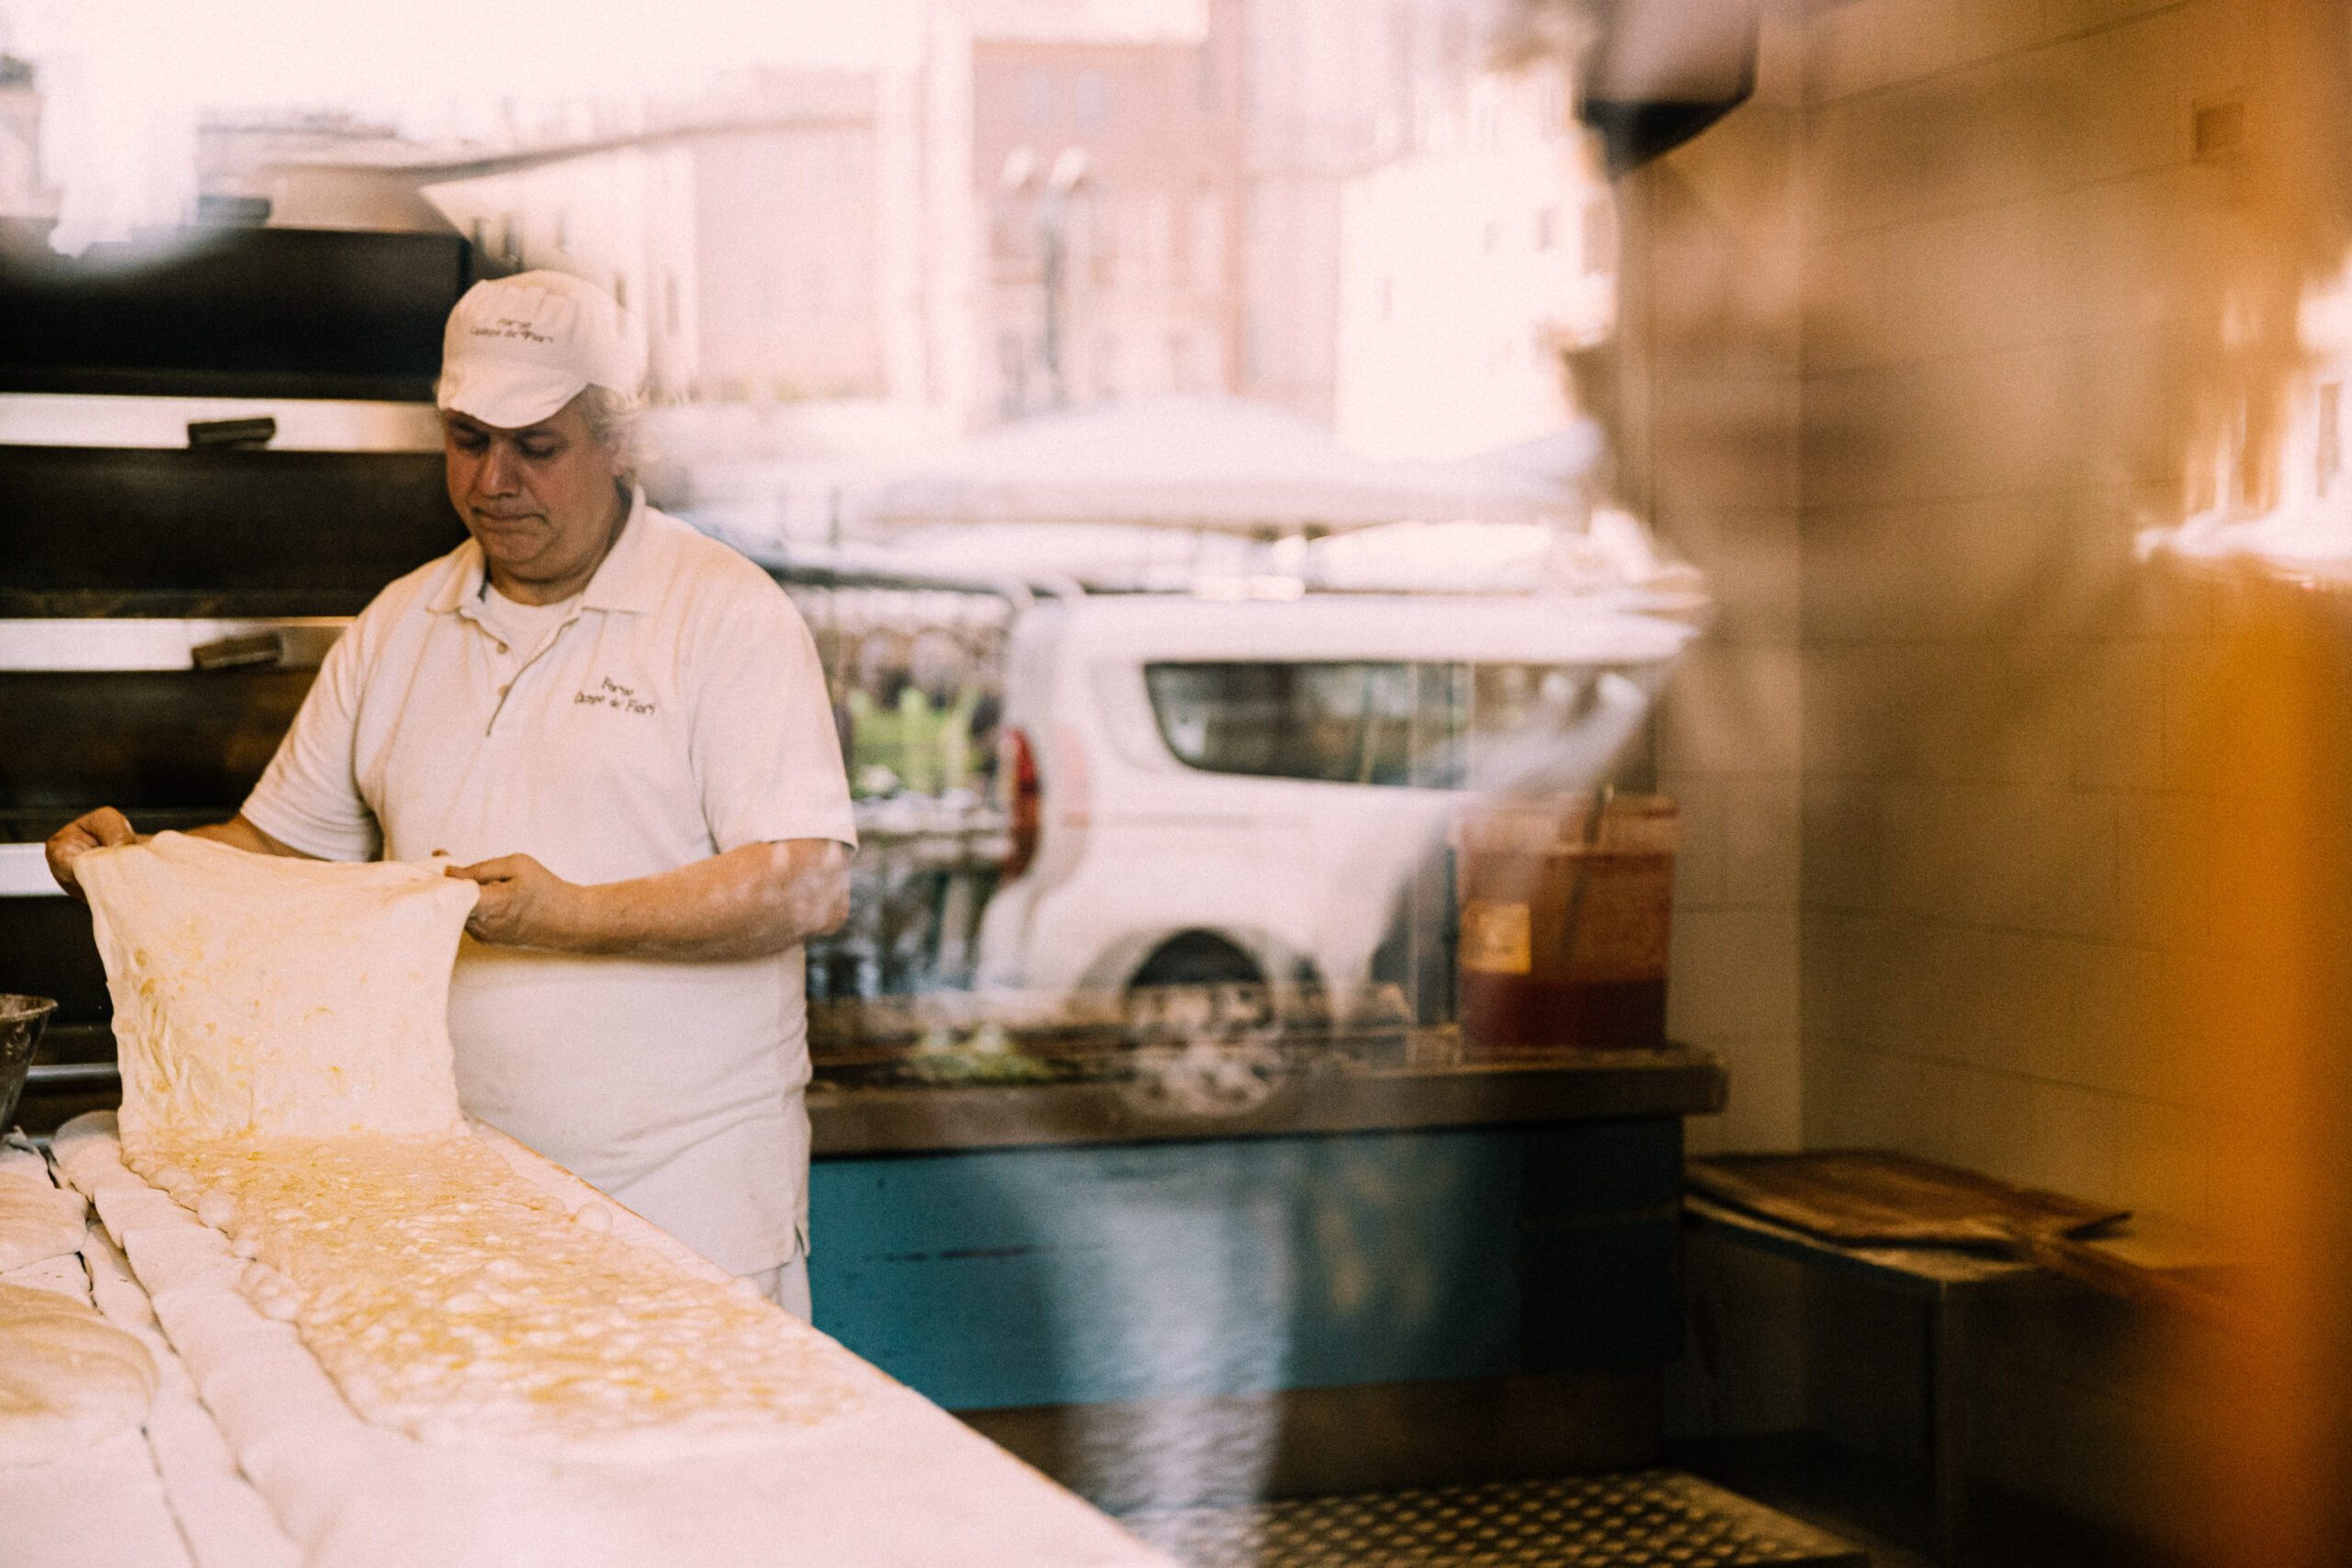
point(1856, 1099)
point(2213, 47)
point(1843, 321)
point(1699, 856)
point(1847, 48)
point(2164, 852)
point(1734, 444)
point(2014, 993)
point(1732, 974)
point(2073, 1143)
point(1763, 837)
point(1989, 28)
point(1922, 36)
point(1780, 44)
point(2164, 1169)
point(1731, 710)
point(2116, 699)
point(1748, 553)
point(1839, 872)
point(2110, 1020)
point(2006, 864)
point(1766, 1108)
point(1850, 969)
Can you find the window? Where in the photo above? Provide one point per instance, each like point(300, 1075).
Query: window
point(1106, 367)
point(1364, 722)
point(1158, 238)
point(1208, 238)
point(1012, 374)
point(1547, 227)
point(671, 315)
point(1343, 723)
point(1037, 99)
point(1090, 100)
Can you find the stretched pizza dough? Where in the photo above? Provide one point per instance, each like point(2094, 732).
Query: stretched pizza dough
point(69, 1379)
point(36, 1221)
point(260, 994)
point(287, 1078)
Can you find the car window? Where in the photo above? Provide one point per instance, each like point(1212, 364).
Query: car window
point(1353, 721)
point(1369, 722)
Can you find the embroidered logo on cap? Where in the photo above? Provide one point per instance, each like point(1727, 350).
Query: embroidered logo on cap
point(530, 315)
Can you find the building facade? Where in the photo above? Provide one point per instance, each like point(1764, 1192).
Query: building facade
point(1467, 270)
point(1028, 204)
point(1108, 177)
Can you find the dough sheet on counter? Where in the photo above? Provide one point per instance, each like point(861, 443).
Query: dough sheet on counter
point(896, 1481)
point(453, 1301)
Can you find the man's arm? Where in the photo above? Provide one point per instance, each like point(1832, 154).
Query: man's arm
point(106, 827)
point(747, 903)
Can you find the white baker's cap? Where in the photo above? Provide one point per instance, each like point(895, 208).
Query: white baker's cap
point(519, 348)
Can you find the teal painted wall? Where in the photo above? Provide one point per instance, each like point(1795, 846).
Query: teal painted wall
point(1055, 1276)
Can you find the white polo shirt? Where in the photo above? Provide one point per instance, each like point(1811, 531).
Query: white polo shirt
point(677, 710)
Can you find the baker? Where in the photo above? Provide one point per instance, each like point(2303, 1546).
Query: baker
point(619, 729)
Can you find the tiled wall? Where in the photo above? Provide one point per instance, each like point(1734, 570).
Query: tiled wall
point(1907, 330)
point(2000, 203)
point(1914, 328)
point(1711, 393)
point(2001, 215)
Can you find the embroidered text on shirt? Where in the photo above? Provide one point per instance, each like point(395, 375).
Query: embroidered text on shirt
point(611, 694)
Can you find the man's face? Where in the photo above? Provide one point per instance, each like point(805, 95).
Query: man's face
point(540, 500)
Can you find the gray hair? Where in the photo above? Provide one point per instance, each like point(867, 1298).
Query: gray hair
point(612, 424)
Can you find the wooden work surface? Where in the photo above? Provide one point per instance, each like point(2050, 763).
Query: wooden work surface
point(1919, 1270)
point(1879, 1198)
point(2149, 1243)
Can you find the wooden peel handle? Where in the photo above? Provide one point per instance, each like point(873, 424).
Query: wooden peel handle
point(2103, 1272)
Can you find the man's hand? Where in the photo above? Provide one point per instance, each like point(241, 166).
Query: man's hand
point(522, 903)
point(102, 828)
point(106, 827)
point(748, 903)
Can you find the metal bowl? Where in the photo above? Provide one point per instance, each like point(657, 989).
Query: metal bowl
point(21, 1019)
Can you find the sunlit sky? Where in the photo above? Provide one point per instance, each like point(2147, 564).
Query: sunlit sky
point(124, 80)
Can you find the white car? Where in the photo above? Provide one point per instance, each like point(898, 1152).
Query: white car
point(1208, 790)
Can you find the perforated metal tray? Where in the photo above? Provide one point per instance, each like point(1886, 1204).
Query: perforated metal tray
point(1648, 1519)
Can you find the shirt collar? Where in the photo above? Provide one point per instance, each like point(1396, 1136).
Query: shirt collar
point(629, 577)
